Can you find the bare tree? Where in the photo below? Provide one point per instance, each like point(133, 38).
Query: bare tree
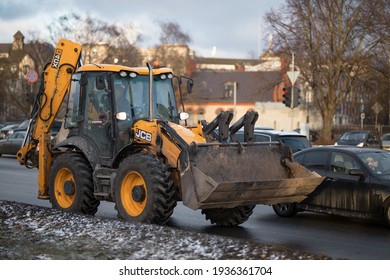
point(122, 48)
point(16, 92)
point(101, 41)
point(332, 41)
point(379, 71)
point(173, 49)
point(41, 53)
point(171, 33)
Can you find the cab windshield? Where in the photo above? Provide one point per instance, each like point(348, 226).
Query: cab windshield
point(132, 97)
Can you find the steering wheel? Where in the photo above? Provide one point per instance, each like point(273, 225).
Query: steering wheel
point(103, 117)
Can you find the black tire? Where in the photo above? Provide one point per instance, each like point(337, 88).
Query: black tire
point(71, 185)
point(386, 212)
point(228, 217)
point(143, 190)
point(285, 209)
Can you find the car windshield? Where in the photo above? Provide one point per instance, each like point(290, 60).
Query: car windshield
point(354, 136)
point(386, 137)
point(296, 143)
point(24, 124)
point(377, 162)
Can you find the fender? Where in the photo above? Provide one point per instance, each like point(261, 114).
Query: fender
point(130, 148)
point(83, 145)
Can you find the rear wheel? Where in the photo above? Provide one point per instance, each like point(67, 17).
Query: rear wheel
point(228, 217)
point(143, 190)
point(71, 185)
point(285, 209)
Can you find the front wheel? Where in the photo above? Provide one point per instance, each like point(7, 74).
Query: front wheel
point(285, 209)
point(228, 217)
point(71, 185)
point(143, 190)
point(386, 213)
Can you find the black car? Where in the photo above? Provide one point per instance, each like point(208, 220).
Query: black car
point(356, 184)
point(361, 138)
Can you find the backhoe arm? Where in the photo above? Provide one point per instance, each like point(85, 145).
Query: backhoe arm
point(54, 87)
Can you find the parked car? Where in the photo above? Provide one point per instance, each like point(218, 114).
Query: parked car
point(386, 141)
point(313, 135)
point(5, 130)
point(361, 138)
point(356, 184)
point(55, 128)
point(12, 143)
point(292, 139)
point(21, 127)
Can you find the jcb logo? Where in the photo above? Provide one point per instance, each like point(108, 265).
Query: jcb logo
point(56, 58)
point(143, 135)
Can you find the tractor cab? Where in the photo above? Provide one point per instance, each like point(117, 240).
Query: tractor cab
point(105, 101)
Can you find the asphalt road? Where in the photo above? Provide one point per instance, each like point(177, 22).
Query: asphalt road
point(335, 237)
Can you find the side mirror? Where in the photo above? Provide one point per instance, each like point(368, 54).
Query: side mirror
point(183, 116)
point(355, 172)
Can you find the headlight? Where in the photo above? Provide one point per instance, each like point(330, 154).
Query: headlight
point(183, 116)
point(123, 73)
point(360, 145)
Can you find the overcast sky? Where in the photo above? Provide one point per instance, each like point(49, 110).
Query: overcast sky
point(234, 28)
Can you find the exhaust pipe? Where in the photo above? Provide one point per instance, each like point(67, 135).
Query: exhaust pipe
point(150, 91)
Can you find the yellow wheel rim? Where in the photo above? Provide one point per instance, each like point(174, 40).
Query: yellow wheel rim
point(64, 200)
point(132, 207)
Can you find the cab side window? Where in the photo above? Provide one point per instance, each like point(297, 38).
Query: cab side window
point(73, 108)
point(97, 115)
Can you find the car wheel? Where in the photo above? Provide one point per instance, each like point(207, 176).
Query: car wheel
point(228, 217)
point(285, 209)
point(386, 212)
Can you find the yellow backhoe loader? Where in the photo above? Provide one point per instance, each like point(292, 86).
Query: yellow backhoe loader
point(128, 143)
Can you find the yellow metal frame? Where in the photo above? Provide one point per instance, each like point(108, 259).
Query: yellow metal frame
point(57, 77)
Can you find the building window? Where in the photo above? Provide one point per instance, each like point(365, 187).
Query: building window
point(200, 114)
point(228, 90)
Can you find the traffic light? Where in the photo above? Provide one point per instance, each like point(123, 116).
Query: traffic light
point(297, 97)
point(291, 97)
point(287, 97)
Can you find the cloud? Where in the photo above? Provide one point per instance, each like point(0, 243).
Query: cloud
point(233, 27)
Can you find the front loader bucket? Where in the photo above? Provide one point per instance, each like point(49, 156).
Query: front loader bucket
point(226, 176)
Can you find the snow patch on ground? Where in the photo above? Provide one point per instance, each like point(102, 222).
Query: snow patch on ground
point(33, 232)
